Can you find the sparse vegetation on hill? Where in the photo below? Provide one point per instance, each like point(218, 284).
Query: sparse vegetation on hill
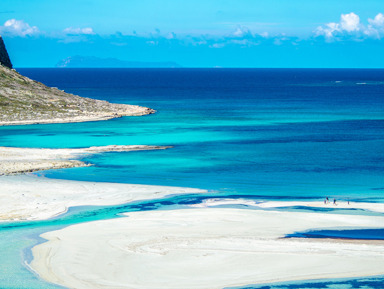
point(25, 101)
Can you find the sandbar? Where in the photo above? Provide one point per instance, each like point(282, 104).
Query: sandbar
point(29, 197)
point(15, 160)
point(203, 248)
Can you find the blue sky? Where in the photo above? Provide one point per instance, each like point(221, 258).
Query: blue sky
point(210, 33)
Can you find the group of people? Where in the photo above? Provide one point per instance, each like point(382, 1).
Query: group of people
point(326, 201)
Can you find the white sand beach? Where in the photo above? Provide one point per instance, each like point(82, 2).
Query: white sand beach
point(29, 197)
point(204, 248)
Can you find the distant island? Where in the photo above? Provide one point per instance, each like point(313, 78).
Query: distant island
point(25, 101)
point(96, 62)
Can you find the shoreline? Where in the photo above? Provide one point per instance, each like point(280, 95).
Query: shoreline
point(141, 111)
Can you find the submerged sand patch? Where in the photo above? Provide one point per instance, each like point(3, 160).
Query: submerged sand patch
point(204, 249)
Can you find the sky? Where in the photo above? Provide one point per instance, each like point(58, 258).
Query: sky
point(209, 33)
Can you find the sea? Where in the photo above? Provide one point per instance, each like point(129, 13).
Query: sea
point(252, 134)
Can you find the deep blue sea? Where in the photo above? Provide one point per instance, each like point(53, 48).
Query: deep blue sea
point(251, 133)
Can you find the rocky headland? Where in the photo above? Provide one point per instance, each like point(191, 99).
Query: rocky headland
point(25, 101)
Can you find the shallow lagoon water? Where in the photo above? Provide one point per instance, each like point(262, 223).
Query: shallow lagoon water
point(259, 134)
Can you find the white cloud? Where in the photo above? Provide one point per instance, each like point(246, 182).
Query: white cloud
point(15, 27)
point(217, 45)
point(350, 22)
point(378, 21)
point(243, 42)
point(351, 26)
point(375, 28)
point(79, 31)
point(329, 30)
point(241, 31)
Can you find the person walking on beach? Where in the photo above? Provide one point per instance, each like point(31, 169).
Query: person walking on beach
point(334, 202)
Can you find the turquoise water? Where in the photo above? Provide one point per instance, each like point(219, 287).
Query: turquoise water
point(257, 134)
point(298, 133)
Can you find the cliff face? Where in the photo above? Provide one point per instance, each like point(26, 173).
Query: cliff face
point(4, 57)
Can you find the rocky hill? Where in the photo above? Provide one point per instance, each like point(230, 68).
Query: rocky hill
point(25, 101)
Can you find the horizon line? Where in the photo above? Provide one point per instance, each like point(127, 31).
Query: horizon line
point(181, 68)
